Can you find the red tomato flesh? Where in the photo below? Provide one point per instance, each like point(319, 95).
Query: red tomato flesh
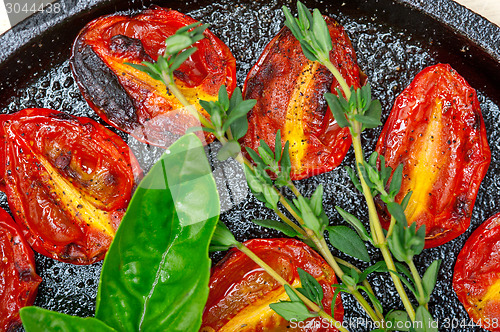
point(131, 100)
point(68, 182)
point(18, 279)
point(240, 291)
point(437, 132)
point(476, 278)
point(289, 90)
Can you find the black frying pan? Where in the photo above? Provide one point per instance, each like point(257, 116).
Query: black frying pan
point(394, 40)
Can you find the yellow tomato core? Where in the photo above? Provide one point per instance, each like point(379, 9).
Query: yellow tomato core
point(428, 162)
point(193, 95)
point(491, 295)
point(259, 314)
point(293, 130)
point(75, 202)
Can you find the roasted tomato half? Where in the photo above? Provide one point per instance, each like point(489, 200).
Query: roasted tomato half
point(476, 278)
point(240, 291)
point(18, 279)
point(437, 132)
point(68, 182)
point(129, 99)
point(289, 91)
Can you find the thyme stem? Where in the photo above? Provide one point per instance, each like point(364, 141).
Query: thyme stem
point(418, 282)
point(378, 236)
point(178, 94)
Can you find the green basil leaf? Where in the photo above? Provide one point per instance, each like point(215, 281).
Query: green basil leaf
point(156, 272)
point(424, 321)
point(310, 287)
point(277, 225)
point(355, 223)
point(229, 150)
point(346, 240)
point(37, 319)
point(430, 277)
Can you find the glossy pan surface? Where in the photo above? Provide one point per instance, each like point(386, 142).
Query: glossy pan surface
point(394, 40)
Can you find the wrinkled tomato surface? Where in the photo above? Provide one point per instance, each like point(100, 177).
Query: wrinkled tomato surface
point(129, 99)
point(289, 90)
point(18, 279)
point(437, 132)
point(68, 182)
point(476, 278)
point(240, 291)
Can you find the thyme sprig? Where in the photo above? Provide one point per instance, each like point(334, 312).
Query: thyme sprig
point(355, 109)
point(351, 107)
point(228, 123)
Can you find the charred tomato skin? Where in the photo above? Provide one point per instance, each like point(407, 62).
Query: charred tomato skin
point(132, 101)
point(436, 130)
point(19, 281)
point(476, 277)
point(289, 90)
point(239, 287)
point(68, 182)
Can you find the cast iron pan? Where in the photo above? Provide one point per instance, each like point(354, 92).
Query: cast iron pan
point(394, 40)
